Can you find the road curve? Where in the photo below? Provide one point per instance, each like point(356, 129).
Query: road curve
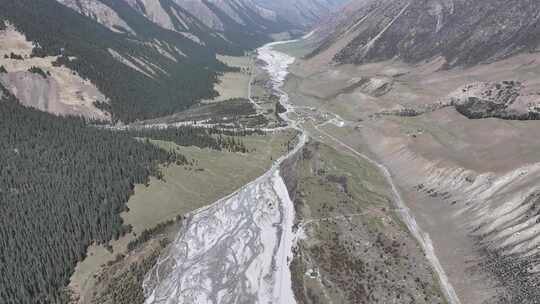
point(422, 237)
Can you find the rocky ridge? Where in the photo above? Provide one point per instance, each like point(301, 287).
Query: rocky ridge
point(463, 32)
point(213, 20)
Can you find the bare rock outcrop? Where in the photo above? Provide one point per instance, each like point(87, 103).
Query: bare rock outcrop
point(99, 12)
point(510, 100)
point(37, 83)
point(506, 100)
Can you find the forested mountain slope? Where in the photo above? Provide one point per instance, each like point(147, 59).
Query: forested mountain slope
point(445, 93)
point(144, 76)
point(63, 186)
point(463, 32)
point(64, 183)
point(228, 27)
point(131, 59)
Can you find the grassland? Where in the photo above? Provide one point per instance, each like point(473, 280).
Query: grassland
point(210, 176)
point(234, 84)
point(356, 250)
point(214, 174)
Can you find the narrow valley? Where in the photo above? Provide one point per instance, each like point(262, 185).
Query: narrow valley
point(269, 151)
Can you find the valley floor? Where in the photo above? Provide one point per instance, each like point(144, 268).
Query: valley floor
point(470, 184)
point(357, 248)
point(389, 209)
point(209, 176)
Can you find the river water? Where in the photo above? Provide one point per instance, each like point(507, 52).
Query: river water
point(238, 249)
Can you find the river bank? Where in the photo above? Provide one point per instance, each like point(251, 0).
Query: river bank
point(240, 249)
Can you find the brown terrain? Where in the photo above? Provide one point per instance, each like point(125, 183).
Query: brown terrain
point(59, 91)
point(470, 183)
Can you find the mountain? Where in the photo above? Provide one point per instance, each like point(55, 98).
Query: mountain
point(127, 60)
point(136, 76)
point(238, 25)
point(446, 94)
point(447, 34)
point(243, 23)
point(463, 32)
point(303, 12)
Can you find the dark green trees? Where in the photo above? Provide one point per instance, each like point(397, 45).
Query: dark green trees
point(62, 186)
point(84, 46)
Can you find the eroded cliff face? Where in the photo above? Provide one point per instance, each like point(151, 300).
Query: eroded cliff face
point(216, 21)
point(38, 83)
point(463, 32)
point(303, 12)
point(213, 14)
point(206, 23)
point(354, 248)
point(99, 12)
point(485, 224)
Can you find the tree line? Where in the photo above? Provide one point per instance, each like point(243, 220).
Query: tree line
point(83, 46)
point(63, 185)
point(211, 138)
